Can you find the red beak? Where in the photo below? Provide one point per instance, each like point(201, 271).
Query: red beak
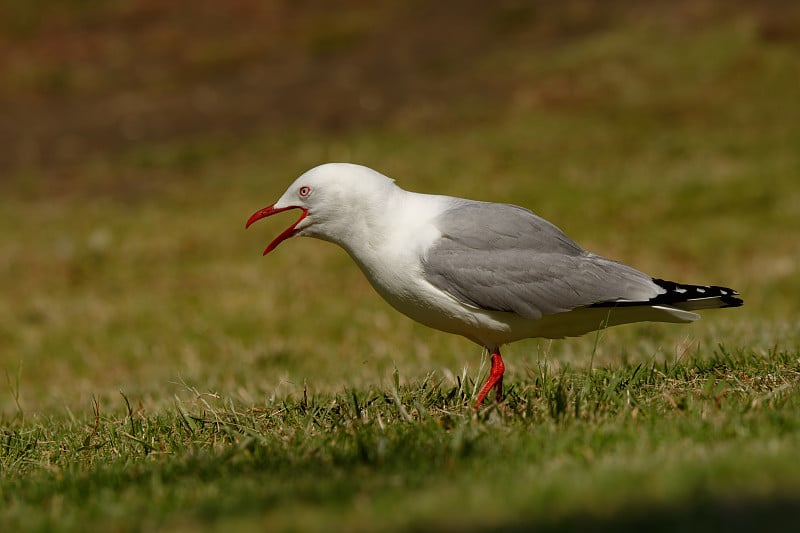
point(291, 231)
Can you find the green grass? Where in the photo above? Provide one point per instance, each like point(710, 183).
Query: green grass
point(160, 374)
point(566, 448)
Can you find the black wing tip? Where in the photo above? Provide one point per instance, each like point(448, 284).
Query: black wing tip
point(679, 292)
point(730, 301)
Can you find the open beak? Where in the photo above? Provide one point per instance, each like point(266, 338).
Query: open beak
point(291, 231)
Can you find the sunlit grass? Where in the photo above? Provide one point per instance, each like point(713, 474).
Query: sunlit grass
point(593, 443)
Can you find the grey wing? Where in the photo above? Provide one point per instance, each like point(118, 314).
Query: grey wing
point(502, 257)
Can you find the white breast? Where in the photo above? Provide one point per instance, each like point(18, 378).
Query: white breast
point(392, 263)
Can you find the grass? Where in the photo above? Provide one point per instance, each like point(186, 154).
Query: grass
point(566, 448)
point(160, 374)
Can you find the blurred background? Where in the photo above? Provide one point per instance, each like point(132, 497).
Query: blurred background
point(137, 136)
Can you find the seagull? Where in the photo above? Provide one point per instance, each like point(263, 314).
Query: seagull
point(493, 273)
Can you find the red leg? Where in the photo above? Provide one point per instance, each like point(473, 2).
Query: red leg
point(495, 379)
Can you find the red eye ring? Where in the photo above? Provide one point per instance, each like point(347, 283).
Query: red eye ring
point(304, 191)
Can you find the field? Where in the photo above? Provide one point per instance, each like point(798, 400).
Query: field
point(159, 374)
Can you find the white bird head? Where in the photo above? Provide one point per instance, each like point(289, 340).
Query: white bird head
point(337, 201)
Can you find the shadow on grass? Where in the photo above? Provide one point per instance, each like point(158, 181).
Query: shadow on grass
point(730, 515)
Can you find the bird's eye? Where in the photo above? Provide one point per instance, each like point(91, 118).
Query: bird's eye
point(304, 191)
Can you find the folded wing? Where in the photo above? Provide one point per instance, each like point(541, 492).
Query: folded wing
point(502, 257)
